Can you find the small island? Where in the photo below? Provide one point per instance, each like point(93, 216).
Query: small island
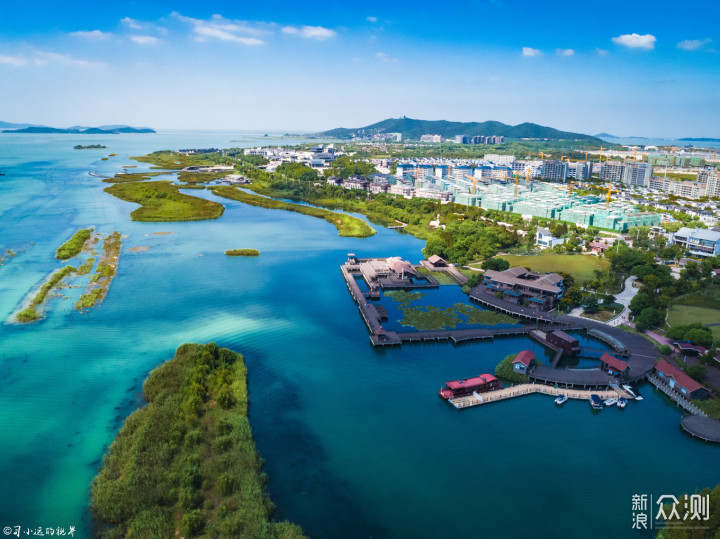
point(74, 245)
point(242, 252)
point(186, 463)
point(90, 147)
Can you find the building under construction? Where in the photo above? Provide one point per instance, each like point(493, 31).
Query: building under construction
point(547, 201)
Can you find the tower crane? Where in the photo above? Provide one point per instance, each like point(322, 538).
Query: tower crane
point(474, 181)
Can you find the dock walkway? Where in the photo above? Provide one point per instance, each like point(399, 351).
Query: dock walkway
point(702, 427)
point(527, 389)
point(678, 399)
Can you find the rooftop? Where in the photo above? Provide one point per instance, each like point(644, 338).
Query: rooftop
point(614, 362)
point(680, 377)
point(471, 382)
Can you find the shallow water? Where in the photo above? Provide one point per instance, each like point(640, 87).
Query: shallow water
point(356, 441)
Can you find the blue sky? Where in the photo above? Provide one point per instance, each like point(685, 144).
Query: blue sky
point(627, 68)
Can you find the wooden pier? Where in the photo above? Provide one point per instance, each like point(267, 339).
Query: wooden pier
point(675, 397)
point(528, 389)
point(704, 428)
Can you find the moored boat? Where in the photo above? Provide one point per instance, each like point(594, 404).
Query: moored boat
point(622, 402)
point(610, 402)
point(630, 391)
point(562, 399)
point(470, 386)
point(596, 402)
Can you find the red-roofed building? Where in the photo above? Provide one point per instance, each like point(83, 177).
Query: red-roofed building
point(598, 247)
point(679, 381)
point(614, 366)
point(694, 349)
point(523, 361)
point(468, 386)
point(568, 343)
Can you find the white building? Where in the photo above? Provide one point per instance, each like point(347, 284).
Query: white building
point(545, 239)
point(430, 138)
point(699, 242)
point(554, 170)
point(637, 174)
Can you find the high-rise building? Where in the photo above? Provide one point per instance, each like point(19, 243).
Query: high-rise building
point(554, 170)
point(612, 172)
point(637, 174)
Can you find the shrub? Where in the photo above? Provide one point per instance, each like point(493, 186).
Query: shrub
point(192, 523)
point(504, 371)
point(665, 350)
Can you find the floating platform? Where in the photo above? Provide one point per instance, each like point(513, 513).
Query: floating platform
point(528, 389)
point(702, 427)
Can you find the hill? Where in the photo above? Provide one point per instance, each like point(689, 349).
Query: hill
point(77, 130)
point(414, 129)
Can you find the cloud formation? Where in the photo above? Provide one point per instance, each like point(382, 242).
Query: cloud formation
point(564, 52)
point(529, 51)
point(636, 41)
point(693, 44)
point(372, 19)
point(91, 34)
point(44, 58)
point(132, 23)
point(385, 58)
point(601, 52)
point(16, 61)
point(223, 29)
point(144, 40)
point(310, 32)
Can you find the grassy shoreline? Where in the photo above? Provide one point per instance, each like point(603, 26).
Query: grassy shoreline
point(30, 314)
point(347, 225)
point(162, 201)
point(186, 464)
point(242, 252)
point(99, 285)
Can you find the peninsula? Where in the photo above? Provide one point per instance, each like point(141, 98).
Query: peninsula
point(81, 130)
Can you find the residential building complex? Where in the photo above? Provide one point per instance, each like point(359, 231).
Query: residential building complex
point(698, 241)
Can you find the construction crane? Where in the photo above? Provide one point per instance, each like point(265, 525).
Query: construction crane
point(570, 186)
point(527, 177)
point(517, 182)
point(474, 181)
point(607, 198)
point(601, 148)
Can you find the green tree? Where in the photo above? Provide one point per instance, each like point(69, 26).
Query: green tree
point(495, 263)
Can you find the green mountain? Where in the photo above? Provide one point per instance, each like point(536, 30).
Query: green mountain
point(86, 131)
point(414, 129)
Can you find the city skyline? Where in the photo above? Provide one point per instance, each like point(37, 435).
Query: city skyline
point(626, 70)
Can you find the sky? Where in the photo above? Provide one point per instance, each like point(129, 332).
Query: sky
point(627, 68)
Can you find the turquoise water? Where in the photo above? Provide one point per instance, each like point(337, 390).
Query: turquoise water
point(356, 441)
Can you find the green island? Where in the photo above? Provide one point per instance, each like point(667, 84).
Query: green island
point(74, 245)
point(90, 147)
point(161, 201)
point(347, 225)
point(86, 266)
point(186, 464)
point(122, 177)
point(242, 252)
point(104, 274)
point(30, 313)
point(200, 177)
point(504, 371)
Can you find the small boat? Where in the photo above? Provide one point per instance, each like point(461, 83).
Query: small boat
point(596, 402)
point(610, 402)
point(562, 399)
point(638, 398)
point(630, 391)
point(622, 402)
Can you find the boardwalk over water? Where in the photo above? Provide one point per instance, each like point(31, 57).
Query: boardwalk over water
point(702, 427)
point(528, 389)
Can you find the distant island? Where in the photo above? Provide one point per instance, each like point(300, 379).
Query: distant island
point(413, 129)
point(75, 130)
point(701, 139)
point(90, 147)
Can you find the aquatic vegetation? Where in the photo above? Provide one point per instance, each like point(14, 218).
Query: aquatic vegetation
point(200, 177)
point(90, 147)
point(427, 318)
point(187, 461)
point(479, 316)
point(242, 252)
point(74, 245)
point(347, 225)
point(122, 177)
point(9, 253)
point(104, 274)
point(30, 313)
point(161, 201)
point(403, 297)
point(86, 266)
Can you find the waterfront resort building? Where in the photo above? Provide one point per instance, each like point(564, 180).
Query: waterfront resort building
point(680, 382)
point(562, 341)
point(523, 287)
point(614, 366)
point(523, 362)
point(464, 388)
point(699, 242)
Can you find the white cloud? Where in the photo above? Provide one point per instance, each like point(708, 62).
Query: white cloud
point(44, 58)
point(636, 41)
point(91, 34)
point(693, 44)
point(564, 52)
point(372, 19)
point(16, 61)
point(223, 29)
point(310, 32)
point(132, 23)
point(385, 58)
point(144, 40)
point(601, 52)
point(529, 51)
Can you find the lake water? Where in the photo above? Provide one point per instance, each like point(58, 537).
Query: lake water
point(356, 441)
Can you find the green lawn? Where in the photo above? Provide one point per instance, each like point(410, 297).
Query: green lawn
point(709, 297)
point(686, 314)
point(579, 266)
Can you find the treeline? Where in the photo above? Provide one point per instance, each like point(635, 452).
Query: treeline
point(74, 245)
point(186, 464)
